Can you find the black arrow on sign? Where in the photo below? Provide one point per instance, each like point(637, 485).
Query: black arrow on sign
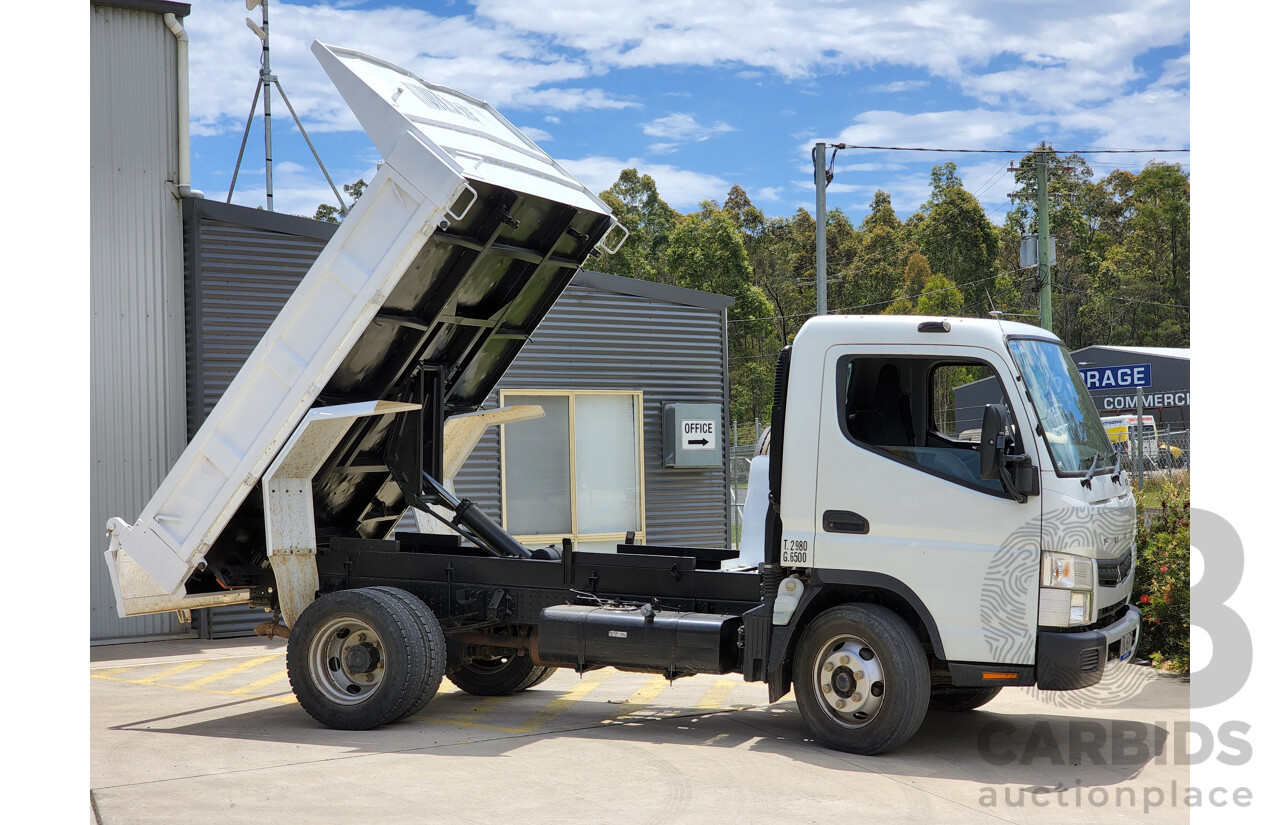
point(701, 441)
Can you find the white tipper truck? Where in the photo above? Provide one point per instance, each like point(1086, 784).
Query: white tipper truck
point(904, 568)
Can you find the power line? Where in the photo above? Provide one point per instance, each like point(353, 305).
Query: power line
point(1011, 151)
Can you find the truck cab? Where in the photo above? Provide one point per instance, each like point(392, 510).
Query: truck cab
point(1013, 568)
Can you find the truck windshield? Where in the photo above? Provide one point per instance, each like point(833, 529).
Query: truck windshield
point(1071, 424)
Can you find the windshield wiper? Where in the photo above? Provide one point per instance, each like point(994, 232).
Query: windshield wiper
point(1115, 471)
point(1093, 470)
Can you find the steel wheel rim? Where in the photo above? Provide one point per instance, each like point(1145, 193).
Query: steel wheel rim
point(849, 681)
point(348, 660)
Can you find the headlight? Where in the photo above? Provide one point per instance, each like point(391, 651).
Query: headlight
point(1066, 590)
point(1066, 571)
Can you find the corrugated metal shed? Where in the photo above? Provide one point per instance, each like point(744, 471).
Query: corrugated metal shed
point(137, 415)
point(611, 333)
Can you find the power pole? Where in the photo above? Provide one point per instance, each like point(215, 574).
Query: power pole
point(1044, 257)
point(820, 181)
point(1042, 224)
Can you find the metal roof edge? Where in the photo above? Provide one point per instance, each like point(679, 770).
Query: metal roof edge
point(156, 6)
point(1180, 353)
point(621, 285)
point(262, 219)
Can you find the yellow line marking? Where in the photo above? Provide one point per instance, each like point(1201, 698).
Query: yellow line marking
point(649, 691)
point(107, 673)
point(716, 695)
point(181, 667)
point(544, 717)
point(231, 671)
point(558, 706)
point(261, 683)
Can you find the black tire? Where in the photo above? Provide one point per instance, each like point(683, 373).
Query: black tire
point(957, 699)
point(433, 635)
point(846, 655)
point(501, 676)
point(356, 659)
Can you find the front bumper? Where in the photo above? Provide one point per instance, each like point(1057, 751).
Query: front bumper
point(1070, 661)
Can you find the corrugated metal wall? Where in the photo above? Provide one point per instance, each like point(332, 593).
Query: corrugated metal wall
point(597, 340)
point(137, 412)
point(239, 275)
point(242, 266)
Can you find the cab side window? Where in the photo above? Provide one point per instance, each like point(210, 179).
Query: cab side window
point(921, 412)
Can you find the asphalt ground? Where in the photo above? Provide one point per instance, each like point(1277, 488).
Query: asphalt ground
point(193, 731)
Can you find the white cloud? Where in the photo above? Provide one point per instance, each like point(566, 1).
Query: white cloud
point(768, 193)
point(682, 126)
point(535, 134)
point(898, 86)
point(508, 68)
point(681, 188)
point(1155, 118)
point(948, 38)
point(971, 128)
point(663, 148)
point(1177, 72)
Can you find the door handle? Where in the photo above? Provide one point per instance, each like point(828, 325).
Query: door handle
point(843, 521)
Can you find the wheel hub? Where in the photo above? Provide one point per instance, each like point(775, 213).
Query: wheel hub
point(361, 658)
point(850, 681)
point(347, 660)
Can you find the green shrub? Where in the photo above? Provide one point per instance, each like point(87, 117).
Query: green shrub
point(1162, 587)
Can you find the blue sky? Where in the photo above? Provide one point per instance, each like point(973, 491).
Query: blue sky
point(706, 95)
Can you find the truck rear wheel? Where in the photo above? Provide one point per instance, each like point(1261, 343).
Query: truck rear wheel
point(956, 700)
point(433, 635)
point(498, 676)
point(357, 659)
point(862, 679)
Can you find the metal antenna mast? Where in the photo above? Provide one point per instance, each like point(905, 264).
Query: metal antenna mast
point(265, 80)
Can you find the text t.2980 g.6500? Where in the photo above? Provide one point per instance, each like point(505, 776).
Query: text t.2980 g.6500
point(795, 552)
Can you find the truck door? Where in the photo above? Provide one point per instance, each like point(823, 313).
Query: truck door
point(899, 492)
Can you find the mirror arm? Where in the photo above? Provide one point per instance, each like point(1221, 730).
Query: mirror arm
point(1007, 480)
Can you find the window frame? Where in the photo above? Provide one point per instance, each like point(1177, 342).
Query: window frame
point(637, 397)
point(932, 419)
point(842, 366)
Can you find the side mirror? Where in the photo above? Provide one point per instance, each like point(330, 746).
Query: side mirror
point(995, 432)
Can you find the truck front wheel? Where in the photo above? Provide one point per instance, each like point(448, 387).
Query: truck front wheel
point(357, 659)
point(862, 679)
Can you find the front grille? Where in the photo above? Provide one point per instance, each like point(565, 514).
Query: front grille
point(1089, 660)
point(1114, 571)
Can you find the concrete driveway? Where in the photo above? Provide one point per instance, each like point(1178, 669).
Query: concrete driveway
point(197, 731)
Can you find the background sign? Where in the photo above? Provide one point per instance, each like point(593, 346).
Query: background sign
point(1106, 378)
